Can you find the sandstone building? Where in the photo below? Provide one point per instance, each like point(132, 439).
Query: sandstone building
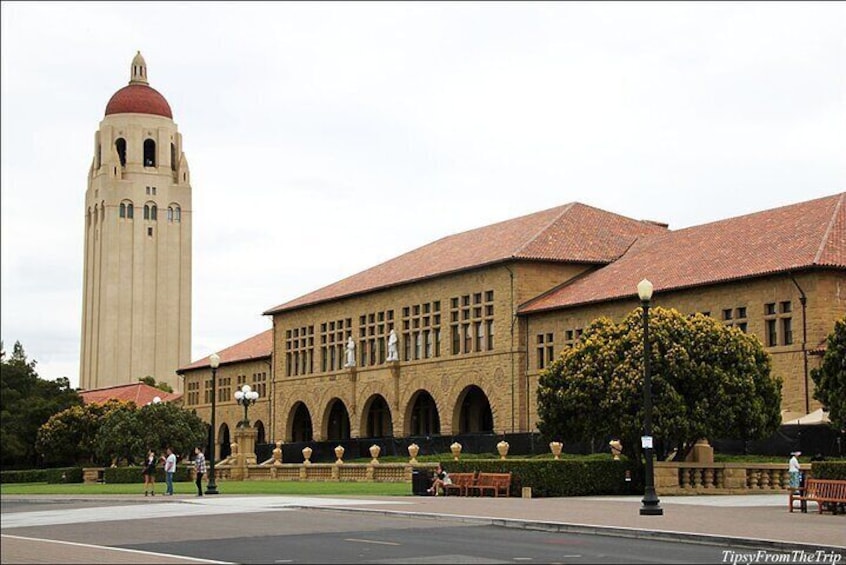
point(480, 314)
point(136, 314)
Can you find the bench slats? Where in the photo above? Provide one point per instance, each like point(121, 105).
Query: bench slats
point(820, 491)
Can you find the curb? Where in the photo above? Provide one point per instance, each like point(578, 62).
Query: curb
point(593, 529)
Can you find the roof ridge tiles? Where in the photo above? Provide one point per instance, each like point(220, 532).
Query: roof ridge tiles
point(564, 209)
point(838, 208)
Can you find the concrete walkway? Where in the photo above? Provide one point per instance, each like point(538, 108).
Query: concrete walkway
point(759, 521)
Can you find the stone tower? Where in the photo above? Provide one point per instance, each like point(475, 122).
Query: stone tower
point(136, 305)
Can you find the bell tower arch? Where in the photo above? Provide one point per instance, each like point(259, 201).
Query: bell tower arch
point(136, 305)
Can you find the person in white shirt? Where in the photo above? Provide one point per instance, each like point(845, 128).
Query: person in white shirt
point(793, 469)
point(170, 469)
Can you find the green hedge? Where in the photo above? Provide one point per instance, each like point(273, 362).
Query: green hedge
point(829, 470)
point(114, 475)
point(57, 475)
point(549, 477)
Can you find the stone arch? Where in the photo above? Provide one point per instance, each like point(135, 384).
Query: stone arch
point(376, 418)
point(224, 440)
point(336, 420)
point(299, 423)
point(472, 412)
point(422, 417)
point(149, 153)
point(261, 434)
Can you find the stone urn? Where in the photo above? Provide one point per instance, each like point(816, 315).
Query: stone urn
point(502, 448)
point(339, 453)
point(413, 450)
point(455, 448)
point(616, 448)
point(555, 447)
point(307, 456)
point(277, 453)
point(375, 450)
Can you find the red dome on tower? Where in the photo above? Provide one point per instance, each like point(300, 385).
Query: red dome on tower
point(138, 97)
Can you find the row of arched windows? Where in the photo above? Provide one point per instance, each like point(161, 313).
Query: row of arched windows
point(149, 153)
point(151, 212)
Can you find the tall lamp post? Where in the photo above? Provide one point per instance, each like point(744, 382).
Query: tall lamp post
point(214, 362)
point(650, 504)
point(246, 397)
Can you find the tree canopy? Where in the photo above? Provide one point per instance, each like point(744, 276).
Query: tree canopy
point(708, 380)
point(69, 437)
point(26, 402)
point(830, 377)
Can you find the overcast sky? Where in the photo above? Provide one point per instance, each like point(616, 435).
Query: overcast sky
point(326, 138)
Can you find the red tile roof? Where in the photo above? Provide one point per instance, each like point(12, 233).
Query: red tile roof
point(573, 233)
point(139, 393)
point(138, 99)
point(808, 234)
point(257, 347)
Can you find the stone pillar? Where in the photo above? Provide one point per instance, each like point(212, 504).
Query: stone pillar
point(702, 452)
point(246, 439)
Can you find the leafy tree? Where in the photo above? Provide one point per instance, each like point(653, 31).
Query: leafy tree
point(830, 377)
point(69, 437)
point(26, 402)
point(127, 433)
point(148, 380)
point(708, 380)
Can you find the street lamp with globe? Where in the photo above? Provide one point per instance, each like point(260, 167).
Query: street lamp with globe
point(246, 397)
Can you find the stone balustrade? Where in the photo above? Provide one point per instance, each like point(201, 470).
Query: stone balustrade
point(721, 478)
point(383, 472)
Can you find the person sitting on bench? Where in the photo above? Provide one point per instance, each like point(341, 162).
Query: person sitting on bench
point(441, 479)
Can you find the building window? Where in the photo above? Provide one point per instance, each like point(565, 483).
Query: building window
point(170, 213)
point(120, 146)
point(373, 331)
point(572, 336)
point(474, 333)
point(735, 317)
point(122, 212)
point(786, 331)
point(778, 321)
point(545, 350)
point(772, 338)
point(333, 337)
point(149, 153)
point(299, 351)
point(727, 314)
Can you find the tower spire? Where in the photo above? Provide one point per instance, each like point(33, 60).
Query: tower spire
point(139, 70)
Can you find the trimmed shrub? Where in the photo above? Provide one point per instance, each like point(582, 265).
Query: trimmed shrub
point(548, 477)
point(113, 475)
point(829, 470)
point(58, 475)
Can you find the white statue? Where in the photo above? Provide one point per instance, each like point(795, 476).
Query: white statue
point(392, 346)
point(350, 353)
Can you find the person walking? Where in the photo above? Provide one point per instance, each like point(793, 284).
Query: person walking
point(149, 473)
point(170, 469)
point(200, 468)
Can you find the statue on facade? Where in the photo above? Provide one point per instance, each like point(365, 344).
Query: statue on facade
point(350, 353)
point(393, 355)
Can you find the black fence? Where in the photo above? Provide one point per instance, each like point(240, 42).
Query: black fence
point(810, 440)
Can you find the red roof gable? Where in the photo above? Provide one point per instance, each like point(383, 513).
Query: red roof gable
point(139, 393)
point(809, 234)
point(573, 233)
point(256, 347)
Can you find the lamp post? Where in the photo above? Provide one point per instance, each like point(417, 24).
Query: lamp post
point(214, 362)
point(650, 504)
point(246, 397)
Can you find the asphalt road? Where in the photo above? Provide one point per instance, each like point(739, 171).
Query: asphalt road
point(311, 535)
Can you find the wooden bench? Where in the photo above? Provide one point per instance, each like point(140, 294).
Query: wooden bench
point(827, 493)
point(460, 482)
point(495, 483)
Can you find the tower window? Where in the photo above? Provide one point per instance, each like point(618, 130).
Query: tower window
point(146, 211)
point(177, 214)
point(172, 157)
point(149, 153)
point(170, 213)
point(122, 210)
point(130, 211)
point(150, 231)
point(153, 213)
point(120, 145)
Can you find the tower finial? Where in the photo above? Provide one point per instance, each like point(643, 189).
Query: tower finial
point(139, 70)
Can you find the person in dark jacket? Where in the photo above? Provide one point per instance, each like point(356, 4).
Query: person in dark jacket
point(150, 473)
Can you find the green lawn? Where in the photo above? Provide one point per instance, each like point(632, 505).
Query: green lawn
point(224, 487)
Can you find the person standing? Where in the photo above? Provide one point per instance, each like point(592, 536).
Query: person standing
point(793, 470)
point(150, 473)
point(200, 468)
point(170, 469)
